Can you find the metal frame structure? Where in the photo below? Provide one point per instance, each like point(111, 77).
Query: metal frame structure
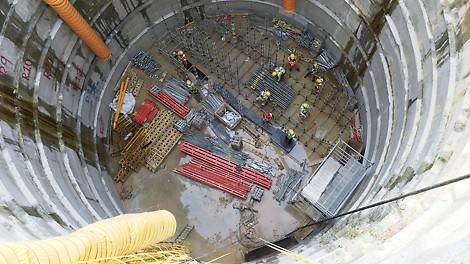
point(334, 181)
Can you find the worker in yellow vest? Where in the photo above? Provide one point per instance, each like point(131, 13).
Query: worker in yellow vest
point(290, 135)
point(191, 88)
point(304, 110)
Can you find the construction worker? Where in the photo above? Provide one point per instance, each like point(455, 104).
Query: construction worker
point(182, 57)
point(312, 70)
point(279, 73)
point(318, 83)
point(191, 88)
point(304, 110)
point(267, 117)
point(293, 62)
point(263, 97)
point(290, 135)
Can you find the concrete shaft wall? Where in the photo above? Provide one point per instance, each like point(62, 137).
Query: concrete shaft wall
point(405, 60)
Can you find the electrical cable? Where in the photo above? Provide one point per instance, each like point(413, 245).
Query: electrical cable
point(425, 189)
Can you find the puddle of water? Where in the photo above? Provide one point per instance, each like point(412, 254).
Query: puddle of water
point(209, 210)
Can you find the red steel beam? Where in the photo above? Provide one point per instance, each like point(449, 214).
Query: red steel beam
point(201, 178)
point(230, 166)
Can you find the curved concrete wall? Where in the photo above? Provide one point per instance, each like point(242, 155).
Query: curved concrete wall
point(405, 60)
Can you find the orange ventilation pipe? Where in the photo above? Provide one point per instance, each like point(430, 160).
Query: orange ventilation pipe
point(288, 5)
point(70, 15)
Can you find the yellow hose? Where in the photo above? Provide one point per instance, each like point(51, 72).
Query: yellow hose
point(70, 15)
point(118, 236)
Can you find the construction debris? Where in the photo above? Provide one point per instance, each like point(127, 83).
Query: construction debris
point(145, 62)
point(236, 143)
point(228, 116)
point(287, 28)
point(196, 118)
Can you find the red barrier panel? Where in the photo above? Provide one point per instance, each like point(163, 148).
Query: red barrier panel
point(141, 115)
point(199, 176)
point(226, 165)
point(180, 109)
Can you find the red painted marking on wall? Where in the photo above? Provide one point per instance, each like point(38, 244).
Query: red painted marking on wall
point(4, 61)
point(26, 69)
point(48, 65)
point(78, 78)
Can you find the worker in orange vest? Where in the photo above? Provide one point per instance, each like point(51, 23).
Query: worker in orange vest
point(182, 57)
point(318, 83)
point(293, 62)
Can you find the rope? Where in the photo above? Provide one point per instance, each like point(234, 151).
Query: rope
point(286, 252)
point(425, 189)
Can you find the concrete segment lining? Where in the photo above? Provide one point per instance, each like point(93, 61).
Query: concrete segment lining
point(415, 56)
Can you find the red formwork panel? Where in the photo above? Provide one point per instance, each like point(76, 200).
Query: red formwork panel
point(222, 173)
point(199, 176)
point(180, 109)
point(152, 113)
point(141, 114)
point(227, 165)
point(234, 183)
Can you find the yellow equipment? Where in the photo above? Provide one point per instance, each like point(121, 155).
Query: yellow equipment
point(292, 56)
point(305, 105)
point(268, 93)
point(274, 73)
point(122, 93)
point(180, 52)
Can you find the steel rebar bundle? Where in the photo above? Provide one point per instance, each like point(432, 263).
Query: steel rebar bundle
point(211, 104)
point(281, 93)
point(177, 89)
point(145, 62)
point(216, 146)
